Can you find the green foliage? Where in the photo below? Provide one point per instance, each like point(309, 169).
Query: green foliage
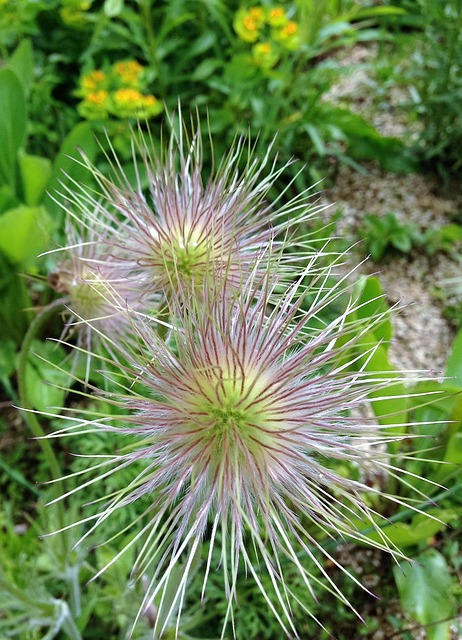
point(383, 234)
point(454, 364)
point(193, 51)
point(46, 380)
point(29, 215)
point(12, 125)
point(425, 586)
point(437, 78)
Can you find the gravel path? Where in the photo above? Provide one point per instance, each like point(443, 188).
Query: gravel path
point(423, 336)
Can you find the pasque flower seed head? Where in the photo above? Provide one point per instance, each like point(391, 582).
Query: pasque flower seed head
point(173, 228)
point(238, 417)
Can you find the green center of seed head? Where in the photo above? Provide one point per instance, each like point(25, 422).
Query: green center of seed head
point(88, 294)
point(233, 410)
point(184, 255)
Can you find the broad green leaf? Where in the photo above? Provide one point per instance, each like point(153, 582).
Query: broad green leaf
point(22, 64)
point(202, 44)
point(24, 233)
point(454, 364)
point(420, 529)
point(365, 142)
point(401, 241)
point(424, 587)
point(371, 303)
point(456, 414)
point(205, 69)
point(444, 396)
point(7, 358)
point(15, 301)
point(390, 403)
point(8, 199)
point(12, 124)
point(449, 474)
point(35, 174)
point(68, 167)
point(453, 455)
point(44, 376)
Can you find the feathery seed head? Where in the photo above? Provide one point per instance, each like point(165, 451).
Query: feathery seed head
point(173, 228)
point(241, 409)
point(239, 414)
point(99, 303)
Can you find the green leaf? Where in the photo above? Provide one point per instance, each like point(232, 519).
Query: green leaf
point(202, 44)
point(8, 199)
point(420, 529)
point(113, 8)
point(390, 403)
point(68, 166)
point(377, 248)
point(365, 142)
point(372, 12)
point(44, 376)
point(371, 303)
point(453, 451)
point(7, 358)
point(402, 241)
point(454, 364)
point(12, 124)
point(424, 587)
point(22, 64)
point(15, 300)
point(35, 174)
point(316, 138)
point(24, 233)
point(16, 476)
point(205, 69)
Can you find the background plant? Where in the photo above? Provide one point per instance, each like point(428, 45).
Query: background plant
point(193, 50)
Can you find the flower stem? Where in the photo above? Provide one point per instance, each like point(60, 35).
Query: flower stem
point(29, 416)
point(58, 515)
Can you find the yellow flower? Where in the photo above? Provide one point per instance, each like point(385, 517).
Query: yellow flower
point(148, 101)
point(264, 55)
point(127, 97)
point(129, 102)
point(247, 24)
point(288, 36)
point(277, 17)
point(128, 67)
point(97, 97)
point(72, 12)
point(257, 14)
point(290, 29)
point(93, 81)
point(95, 105)
point(129, 72)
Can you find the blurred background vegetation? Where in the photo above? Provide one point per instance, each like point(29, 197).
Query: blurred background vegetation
point(75, 71)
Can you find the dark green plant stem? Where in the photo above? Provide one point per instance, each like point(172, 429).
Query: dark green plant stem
point(68, 571)
point(34, 425)
point(404, 514)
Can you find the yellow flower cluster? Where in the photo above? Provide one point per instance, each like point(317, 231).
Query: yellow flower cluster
point(129, 71)
point(269, 30)
point(72, 12)
point(119, 91)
